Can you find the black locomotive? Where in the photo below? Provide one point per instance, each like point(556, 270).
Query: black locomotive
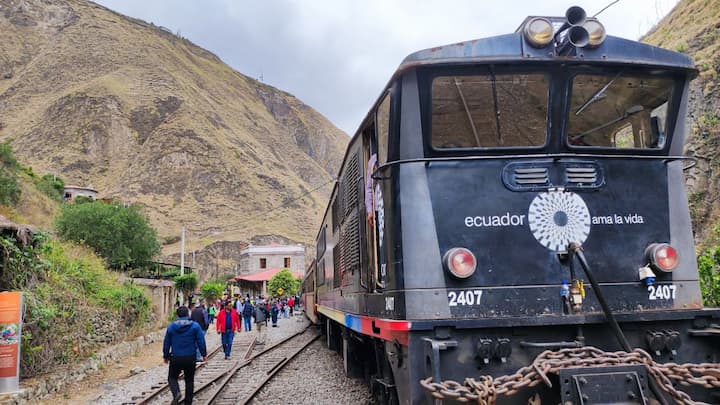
point(510, 225)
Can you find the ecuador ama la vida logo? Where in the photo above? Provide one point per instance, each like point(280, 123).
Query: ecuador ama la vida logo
point(555, 218)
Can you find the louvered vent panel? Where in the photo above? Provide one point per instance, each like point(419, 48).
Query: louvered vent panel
point(337, 274)
point(350, 190)
point(531, 176)
point(581, 175)
point(351, 244)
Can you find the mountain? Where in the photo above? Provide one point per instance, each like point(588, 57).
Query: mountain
point(147, 117)
point(693, 27)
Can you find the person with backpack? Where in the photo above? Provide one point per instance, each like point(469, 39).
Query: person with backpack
point(261, 316)
point(199, 315)
point(183, 338)
point(247, 314)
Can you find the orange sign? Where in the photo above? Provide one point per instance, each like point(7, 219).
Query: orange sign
point(10, 324)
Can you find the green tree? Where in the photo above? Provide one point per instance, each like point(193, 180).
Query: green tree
point(212, 290)
point(9, 187)
point(285, 280)
point(186, 284)
point(119, 234)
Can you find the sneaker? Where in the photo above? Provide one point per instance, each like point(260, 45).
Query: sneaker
point(227, 357)
point(175, 400)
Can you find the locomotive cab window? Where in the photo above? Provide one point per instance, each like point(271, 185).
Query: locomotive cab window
point(620, 110)
point(494, 110)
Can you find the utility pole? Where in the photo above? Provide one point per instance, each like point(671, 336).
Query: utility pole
point(182, 252)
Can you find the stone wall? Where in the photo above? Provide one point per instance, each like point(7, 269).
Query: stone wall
point(34, 389)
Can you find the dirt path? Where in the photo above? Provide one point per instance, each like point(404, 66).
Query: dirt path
point(89, 389)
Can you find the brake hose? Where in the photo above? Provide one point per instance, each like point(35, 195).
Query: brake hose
point(576, 249)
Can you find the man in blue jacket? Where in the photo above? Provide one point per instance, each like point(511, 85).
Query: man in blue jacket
point(182, 338)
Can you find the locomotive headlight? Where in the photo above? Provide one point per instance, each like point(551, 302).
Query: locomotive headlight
point(460, 262)
point(596, 33)
point(538, 32)
point(662, 256)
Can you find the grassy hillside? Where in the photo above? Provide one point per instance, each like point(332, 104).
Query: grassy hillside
point(693, 27)
point(147, 117)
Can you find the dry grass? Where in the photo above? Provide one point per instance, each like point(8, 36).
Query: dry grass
point(86, 102)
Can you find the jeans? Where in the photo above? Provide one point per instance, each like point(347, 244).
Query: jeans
point(186, 364)
point(247, 320)
point(227, 339)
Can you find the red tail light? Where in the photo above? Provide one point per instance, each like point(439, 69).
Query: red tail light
point(663, 256)
point(460, 262)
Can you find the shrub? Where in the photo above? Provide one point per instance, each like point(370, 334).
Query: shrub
point(121, 235)
point(212, 290)
point(7, 157)
point(69, 297)
point(52, 186)
point(709, 269)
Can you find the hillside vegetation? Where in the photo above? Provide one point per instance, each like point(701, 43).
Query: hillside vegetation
point(147, 117)
point(693, 27)
point(73, 305)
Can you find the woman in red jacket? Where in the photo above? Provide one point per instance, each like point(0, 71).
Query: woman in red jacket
point(228, 322)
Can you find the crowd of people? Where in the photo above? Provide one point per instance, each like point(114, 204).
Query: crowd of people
point(184, 343)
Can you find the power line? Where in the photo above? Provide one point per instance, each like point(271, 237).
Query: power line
point(606, 7)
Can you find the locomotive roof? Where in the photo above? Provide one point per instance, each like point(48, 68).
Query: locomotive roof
point(514, 48)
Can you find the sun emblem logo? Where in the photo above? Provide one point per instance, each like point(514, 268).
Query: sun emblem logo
point(557, 218)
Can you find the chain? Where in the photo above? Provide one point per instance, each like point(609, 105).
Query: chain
point(485, 389)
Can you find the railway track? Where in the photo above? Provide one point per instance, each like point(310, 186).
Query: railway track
point(238, 379)
point(248, 377)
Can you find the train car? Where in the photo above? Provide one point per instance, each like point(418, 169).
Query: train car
point(510, 225)
point(308, 294)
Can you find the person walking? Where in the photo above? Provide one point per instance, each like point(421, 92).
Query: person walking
point(212, 311)
point(274, 313)
point(260, 319)
point(227, 324)
point(200, 315)
point(182, 338)
point(247, 314)
point(291, 305)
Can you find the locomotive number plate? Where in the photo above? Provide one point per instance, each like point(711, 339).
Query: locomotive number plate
point(661, 292)
point(465, 297)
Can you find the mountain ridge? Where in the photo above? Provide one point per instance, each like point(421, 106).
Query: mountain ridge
point(149, 118)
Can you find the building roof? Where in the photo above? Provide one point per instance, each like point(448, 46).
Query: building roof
point(262, 276)
point(74, 187)
point(274, 249)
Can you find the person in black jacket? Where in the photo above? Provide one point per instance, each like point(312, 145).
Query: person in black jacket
point(199, 315)
point(247, 314)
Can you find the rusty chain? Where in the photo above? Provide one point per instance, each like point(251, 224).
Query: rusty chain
point(485, 389)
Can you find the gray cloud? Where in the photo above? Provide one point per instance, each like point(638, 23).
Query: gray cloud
point(336, 56)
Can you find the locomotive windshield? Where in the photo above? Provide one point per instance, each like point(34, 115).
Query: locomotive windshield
point(619, 110)
point(489, 110)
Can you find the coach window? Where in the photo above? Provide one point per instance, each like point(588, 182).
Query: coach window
point(493, 110)
point(619, 110)
point(383, 128)
point(320, 271)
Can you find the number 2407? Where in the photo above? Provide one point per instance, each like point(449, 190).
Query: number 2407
point(470, 297)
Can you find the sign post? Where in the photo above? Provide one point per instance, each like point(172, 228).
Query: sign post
point(11, 304)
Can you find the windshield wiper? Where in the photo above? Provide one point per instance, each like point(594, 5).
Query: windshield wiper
point(597, 95)
point(630, 111)
point(467, 111)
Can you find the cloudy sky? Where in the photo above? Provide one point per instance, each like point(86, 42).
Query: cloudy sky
point(337, 55)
